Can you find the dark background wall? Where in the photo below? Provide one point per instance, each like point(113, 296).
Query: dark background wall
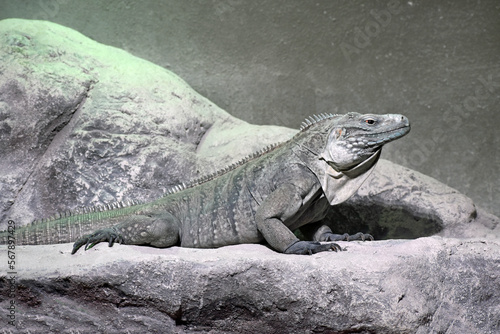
point(278, 61)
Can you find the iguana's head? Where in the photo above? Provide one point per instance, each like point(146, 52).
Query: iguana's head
point(354, 137)
point(341, 150)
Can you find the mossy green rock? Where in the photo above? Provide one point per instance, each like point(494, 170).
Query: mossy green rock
point(85, 123)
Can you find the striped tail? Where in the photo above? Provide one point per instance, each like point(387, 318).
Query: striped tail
point(65, 229)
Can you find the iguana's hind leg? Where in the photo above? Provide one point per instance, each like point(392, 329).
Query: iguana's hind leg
point(158, 231)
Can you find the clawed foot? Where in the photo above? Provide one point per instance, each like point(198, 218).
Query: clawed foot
point(311, 247)
point(107, 234)
point(345, 237)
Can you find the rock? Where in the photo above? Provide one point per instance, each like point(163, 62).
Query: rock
point(84, 124)
point(427, 285)
point(398, 202)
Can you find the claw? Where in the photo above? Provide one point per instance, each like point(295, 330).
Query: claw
point(346, 237)
point(89, 245)
point(360, 236)
point(336, 247)
point(108, 234)
point(311, 247)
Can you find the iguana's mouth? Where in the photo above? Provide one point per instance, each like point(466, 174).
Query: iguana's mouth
point(379, 138)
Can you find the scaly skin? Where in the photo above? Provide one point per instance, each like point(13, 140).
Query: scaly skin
point(262, 199)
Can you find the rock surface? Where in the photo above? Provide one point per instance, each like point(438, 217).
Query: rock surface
point(427, 285)
point(83, 124)
point(397, 202)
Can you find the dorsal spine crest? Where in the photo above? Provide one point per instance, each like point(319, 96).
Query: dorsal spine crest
point(315, 119)
point(308, 122)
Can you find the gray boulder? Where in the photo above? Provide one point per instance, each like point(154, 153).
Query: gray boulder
point(85, 124)
point(427, 285)
point(397, 202)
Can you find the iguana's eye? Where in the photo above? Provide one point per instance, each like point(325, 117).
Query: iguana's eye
point(370, 121)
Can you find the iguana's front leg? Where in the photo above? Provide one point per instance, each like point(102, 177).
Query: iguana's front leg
point(157, 230)
point(281, 204)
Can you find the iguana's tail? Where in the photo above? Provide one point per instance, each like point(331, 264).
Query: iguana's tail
point(66, 228)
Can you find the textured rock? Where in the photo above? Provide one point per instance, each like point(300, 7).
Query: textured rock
point(83, 123)
point(398, 202)
point(427, 285)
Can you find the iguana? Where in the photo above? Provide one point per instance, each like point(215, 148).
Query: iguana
point(262, 198)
